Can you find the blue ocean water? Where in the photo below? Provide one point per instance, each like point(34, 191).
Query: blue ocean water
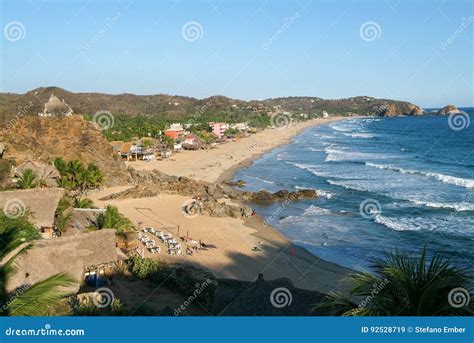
point(384, 184)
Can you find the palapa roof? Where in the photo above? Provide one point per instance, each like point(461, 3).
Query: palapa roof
point(45, 172)
point(71, 255)
point(55, 106)
point(243, 298)
point(39, 203)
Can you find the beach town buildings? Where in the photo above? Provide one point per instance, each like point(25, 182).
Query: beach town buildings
point(219, 128)
point(175, 131)
point(240, 126)
point(192, 142)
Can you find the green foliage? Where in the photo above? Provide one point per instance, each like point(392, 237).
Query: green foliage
point(35, 299)
point(86, 308)
point(117, 308)
point(74, 175)
point(113, 219)
point(174, 279)
point(403, 285)
point(28, 179)
point(168, 141)
point(83, 203)
point(14, 232)
point(142, 268)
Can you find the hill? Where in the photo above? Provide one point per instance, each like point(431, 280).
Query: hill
point(174, 107)
point(44, 139)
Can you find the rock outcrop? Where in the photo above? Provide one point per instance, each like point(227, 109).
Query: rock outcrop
point(206, 198)
point(399, 108)
point(449, 109)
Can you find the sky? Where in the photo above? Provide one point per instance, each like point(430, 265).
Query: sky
point(417, 51)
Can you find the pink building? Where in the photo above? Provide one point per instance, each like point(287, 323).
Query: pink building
point(219, 128)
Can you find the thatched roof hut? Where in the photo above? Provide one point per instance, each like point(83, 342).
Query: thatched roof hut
point(71, 255)
point(56, 107)
point(47, 174)
point(242, 298)
point(39, 204)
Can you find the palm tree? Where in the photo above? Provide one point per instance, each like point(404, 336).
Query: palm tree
point(113, 219)
point(83, 203)
point(28, 179)
point(403, 285)
point(27, 301)
point(35, 299)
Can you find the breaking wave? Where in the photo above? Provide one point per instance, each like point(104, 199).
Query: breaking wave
point(457, 181)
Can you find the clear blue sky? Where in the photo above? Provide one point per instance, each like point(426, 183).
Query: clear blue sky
point(248, 49)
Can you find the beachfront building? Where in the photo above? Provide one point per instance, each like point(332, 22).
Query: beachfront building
point(38, 204)
point(219, 128)
point(46, 174)
point(92, 253)
point(133, 151)
point(192, 142)
point(240, 126)
point(175, 131)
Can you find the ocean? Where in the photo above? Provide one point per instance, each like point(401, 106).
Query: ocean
point(384, 184)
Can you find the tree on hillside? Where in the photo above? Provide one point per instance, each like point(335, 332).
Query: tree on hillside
point(404, 285)
point(74, 175)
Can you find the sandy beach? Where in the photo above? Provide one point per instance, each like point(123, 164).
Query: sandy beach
point(239, 249)
point(219, 163)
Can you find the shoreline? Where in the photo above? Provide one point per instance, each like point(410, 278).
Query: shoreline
point(242, 248)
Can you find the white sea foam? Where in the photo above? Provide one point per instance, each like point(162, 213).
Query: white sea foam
point(314, 169)
point(359, 135)
point(312, 210)
point(397, 224)
point(346, 185)
point(340, 128)
point(259, 179)
point(316, 150)
point(321, 193)
point(457, 181)
point(459, 207)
